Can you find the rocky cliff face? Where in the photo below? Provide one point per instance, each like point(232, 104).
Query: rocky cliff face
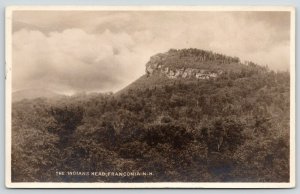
point(162, 64)
point(197, 73)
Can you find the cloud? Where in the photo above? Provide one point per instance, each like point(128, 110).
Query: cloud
point(105, 51)
point(74, 60)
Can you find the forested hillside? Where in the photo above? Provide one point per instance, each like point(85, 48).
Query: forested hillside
point(231, 127)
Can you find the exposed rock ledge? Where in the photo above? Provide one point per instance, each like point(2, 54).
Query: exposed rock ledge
point(152, 68)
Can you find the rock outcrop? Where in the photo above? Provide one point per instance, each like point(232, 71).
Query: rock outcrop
point(197, 73)
point(162, 64)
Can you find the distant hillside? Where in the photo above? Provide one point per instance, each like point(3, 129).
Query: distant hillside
point(32, 94)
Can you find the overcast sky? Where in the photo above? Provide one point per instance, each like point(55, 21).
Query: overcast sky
point(75, 51)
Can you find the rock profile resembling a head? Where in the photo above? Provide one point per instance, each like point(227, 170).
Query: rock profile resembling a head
point(189, 64)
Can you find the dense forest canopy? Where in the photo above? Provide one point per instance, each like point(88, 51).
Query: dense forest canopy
point(234, 127)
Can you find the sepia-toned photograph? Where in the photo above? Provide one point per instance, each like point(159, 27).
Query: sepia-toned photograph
point(150, 97)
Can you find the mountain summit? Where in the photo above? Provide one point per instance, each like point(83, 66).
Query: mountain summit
point(190, 63)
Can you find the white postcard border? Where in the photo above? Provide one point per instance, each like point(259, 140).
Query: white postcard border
point(8, 99)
